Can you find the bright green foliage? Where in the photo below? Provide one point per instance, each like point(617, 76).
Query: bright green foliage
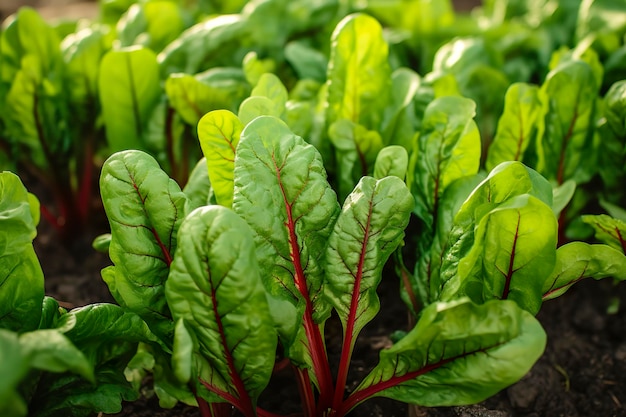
point(391, 161)
point(447, 148)
point(194, 96)
point(126, 108)
point(198, 188)
point(370, 227)
point(216, 289)
point(219, 133)
point(579, 260)
point(145, 208)
point(609, 230)
point(282, 193)
point(21, 277)
point(153, 24)
point(521, 120)
point(268, 98)
point(563, 153)
point(458, 353)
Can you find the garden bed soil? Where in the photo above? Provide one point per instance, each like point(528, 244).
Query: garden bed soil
point(581, 374)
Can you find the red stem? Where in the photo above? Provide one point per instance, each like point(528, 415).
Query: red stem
point(306, 392)
point(349, 336)
point(321, 366)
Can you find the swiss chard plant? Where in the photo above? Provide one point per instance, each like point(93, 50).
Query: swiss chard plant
point(223, 286)
point(54, 361)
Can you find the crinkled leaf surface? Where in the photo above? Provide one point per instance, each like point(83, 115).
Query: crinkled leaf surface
point(145, 208)
point(458, 353)
point(129, 89)
point(215, 287)
point(579, 260)
point(219, 132)
point(281, 191)
point(370, 227)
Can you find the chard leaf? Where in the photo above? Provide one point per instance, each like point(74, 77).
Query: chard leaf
point(369, 228)
point(433, 268)
point(608, 229)
point(154, 24)
point(458, 353)
point(219, 132)
point(308, 63)
point(129, 88)
point(448, 148)
point(519, 122)
point(579, 260)
point(359, 76)
point(32, 104)
point(198, 188)
point(281, 191)
point(50, 350)
point(391, 161)
point(566, 151)
point(268, 98)
point(398, 124)
point(356, 148)
point(513, 251)
point(203, 44)
point(14, 367)
point(145, 208)
point(21, 277)
point(254, 67)
point(194, 96)
point(215, 287)
point(506, 181)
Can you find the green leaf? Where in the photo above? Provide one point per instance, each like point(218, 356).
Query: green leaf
point(50, 350)
point(505, 182)
point(202, 46)
point(359, 75)
point(21, 277)
point(219, 133)
point(215, 287)
point(369, 228)
point(521, 119)
point(579, 260)
point(608, 230)
point(32, 106)
point(268, 98)
point(356, 150)
point(129, 91)
point(153, 24)
point(513, 251)
point(281, 191)
point(254, 67)
point(391, 161)
point(308, 62)
point(458, 353)
point(198, 188)
point(194, 96)
point(399, 126)
point(448, 148)
point(145, 208)
point(566, 150)
point(14, 368)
